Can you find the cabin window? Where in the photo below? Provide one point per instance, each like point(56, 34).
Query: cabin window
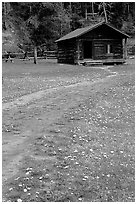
point(109, 49)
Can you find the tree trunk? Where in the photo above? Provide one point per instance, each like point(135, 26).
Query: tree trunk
point(4, 15)
point(86, 15)
point(93, 9)
point(105, 13)
point(35, 54)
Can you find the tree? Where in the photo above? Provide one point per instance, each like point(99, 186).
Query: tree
point(5, 11)
point(105, 9)
point(39, 20)
point(45, 23)
point(37, 23)
point(123, 16)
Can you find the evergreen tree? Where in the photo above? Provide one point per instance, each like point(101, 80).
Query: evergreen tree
point(41, 22)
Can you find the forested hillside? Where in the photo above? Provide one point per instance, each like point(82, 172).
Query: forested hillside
point(31, 25)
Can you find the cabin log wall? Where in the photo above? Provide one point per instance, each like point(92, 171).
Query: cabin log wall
point(67, 52)
point(100, 49)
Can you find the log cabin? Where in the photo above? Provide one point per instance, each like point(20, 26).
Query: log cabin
point(97, 44)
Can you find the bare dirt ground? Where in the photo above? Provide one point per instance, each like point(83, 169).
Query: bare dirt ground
point(68, 133)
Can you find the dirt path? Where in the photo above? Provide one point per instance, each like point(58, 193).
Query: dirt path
point(41, 94)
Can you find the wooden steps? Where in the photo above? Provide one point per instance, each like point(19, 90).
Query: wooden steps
point(92, 63)
point(100, 62)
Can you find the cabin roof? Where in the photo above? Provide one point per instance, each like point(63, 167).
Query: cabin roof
point(80, 31)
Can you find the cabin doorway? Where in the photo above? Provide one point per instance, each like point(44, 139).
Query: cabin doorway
point(87, 49)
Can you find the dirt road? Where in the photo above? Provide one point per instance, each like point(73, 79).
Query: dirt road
point(91, 119)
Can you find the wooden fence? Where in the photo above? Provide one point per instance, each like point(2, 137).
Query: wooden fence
point(53, 54)
point(41, 55)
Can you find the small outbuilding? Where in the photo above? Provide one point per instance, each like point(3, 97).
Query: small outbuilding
point(100, 43)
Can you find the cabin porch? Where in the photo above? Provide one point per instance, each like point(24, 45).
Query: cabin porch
point(91, 62)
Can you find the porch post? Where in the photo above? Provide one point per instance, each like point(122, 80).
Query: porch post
point(77, 54)
point(125, 48)
point(78, 49)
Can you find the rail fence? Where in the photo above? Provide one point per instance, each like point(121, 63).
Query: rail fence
point(41, 55)
point(52, 54)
